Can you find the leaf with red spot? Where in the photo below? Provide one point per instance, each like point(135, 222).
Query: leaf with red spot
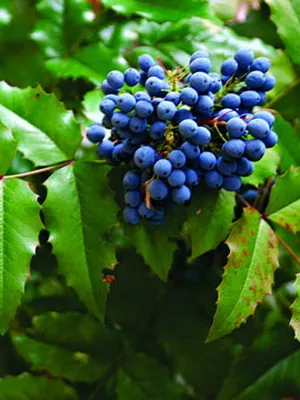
point(295, 321)
point(248, 275)
point(284, 205)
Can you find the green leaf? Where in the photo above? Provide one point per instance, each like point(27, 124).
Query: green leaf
point(19, 229)
point(160, 10)
point(286, 16)
point(288, 143)
point(8, 147)
point(90, 105)
point(46, 133)
point(59, 362)
point(91, 336)
point(295, 321)
point(61, 26)
point(280, 381)
point(248, 275)
point(284, 204)
point(142, 378)
point(209, 218)
point(29, 387)
point(264, 168)
point(91, 62)
point(79, 213)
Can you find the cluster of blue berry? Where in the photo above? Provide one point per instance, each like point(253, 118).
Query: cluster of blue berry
point(175, 128)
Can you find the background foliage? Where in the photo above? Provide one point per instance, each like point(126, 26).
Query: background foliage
point(156, 331)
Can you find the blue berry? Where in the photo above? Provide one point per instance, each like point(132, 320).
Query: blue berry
point(226, 114)
point(261, 64)
point(157, 130)
point(271, 139)
point(199, 54)
point(166, 110)
point(191, 177)
point(215, 83)
point(158, 190)
point(144, 157)
point(255, 80)
point(177, 158)
point(231, 100)
point(232, 183)
point(154, 85)
point(107, 106)
point(145, 212)
point(234, 148)
point(174, 97)
point(157, 71)
point(255, 149)
point(176, 178)
point(131, 215)
point(181, 195)
point(106, 122)
point(258, 128)
point(107, 89)
point(144, 109)
point(142, 96)
point(162, 168)
point(225, 167)
point(250, 98)
point(229, 67)
point(120, 120)
point(115, 79)
point(270, 82)
point(244, 58)
point(95, 133)
point(244, 167)
point(204, 106)
point(250, 195)
point(189, 96)
point(133, 198)
point(201, 137)
point(200, 64)
point(191, 151)
point(200, 82)
point(188, 128)
point(145, 62)
point(131, 180)
point(182, 114)
point(236, 127)
point(126, 102)
point(207, 160)
point(137, 125)
point(213, 179)
point(132, 76)
point(105, 148)
point(265, 115)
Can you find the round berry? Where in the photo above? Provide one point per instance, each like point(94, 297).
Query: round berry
point(174, 97)
point(201, 137)
point(266, 116)
point(145, 62)
point(204, 105)
point(144, 109)
point(270, 82)
point(258, 128)
point(157, 130)
point(131, 180)
point(236, 127)
point(158, 190)
point(177, 158)
point(200, 64)
point(234, 148)
point(213, 179)
point(199, 54)
point(133, 198)
point(105, 148)
point(120, 120)
point(231, 100)
point(261, 64)
point(157, 71)
point(225, 167)
point(250, 98)
point(255, 149)
point(207, 160)
point(166, 110)
point(232, 183)
point(126, 102)
point(95, 133)
point(229, 67)
point(145, 212)
point(189, 96)
point(107, 106)
point(142, 96)
point(115, 79)
point(162, 168)
point(191, 177)
point(131, 215)
point(271, 139)
point(244, 167)
point(188, 128)
point(154, 86)
point(191, 151)
point(137, 125)
point(176, 178)
point(132, 76)
point(255, 80)
point(181, 195)
point(244, 58)
point(144, 157)
point(200, 81)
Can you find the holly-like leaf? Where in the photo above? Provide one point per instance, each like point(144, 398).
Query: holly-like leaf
point(91, 62)
point(248, 275)
point(209, 220)
point(8, 147)
point(286, 16)
point(284, 205)
point(46, 133)
point(59, 362)
point(160, 11)
point(79, 214)
point(31, 387)
point(264, 168)
point(295, 321)
point(288, 143)
point(19, 229)
point(61, 25)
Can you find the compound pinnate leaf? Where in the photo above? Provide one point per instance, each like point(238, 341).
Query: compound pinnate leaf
point(61, 25)
point(209, 220)
point(286, 16)
point(8, 147)
point(248, 275)
point(295, 321)
point(284, 205)
point(160, 11)
point(46, 133)
point(19, 228)
point(79, 214)
point(59, 362)
point(29, 387)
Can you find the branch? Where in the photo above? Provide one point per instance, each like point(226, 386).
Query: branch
point(38, 171)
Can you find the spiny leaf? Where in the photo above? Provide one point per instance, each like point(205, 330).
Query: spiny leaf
point(79, 213)
point(295, 321)
point(286, 16)
point(46, 133)
point(29, 387)
point(19, 228)
point(284, 205)
point(248, 275)
point(209, 219)
point(160, 11)
point(61, 25)
point(8, 147)
point(59, 362)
